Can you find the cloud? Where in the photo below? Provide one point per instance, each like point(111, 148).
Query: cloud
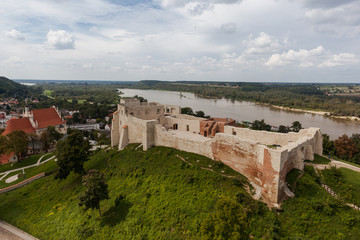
point(341, 59)
point(181, 3)
point(325, 3)
point(264, 43)
point(199, 8)
point(228, 27)
point(13, 61)
point(304, 58)
point(15, 34)
point(60, 40)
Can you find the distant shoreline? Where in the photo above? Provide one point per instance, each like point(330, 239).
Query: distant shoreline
point(323, 113)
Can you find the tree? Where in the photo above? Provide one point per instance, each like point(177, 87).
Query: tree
point(284, 129)
point(71, 154)
point(187, 110)
point(45, 140)
point(345, 147)
point(3, 143)
point(328, 145)
point(296, 126)
point(96, 190)
point(260, 125)
point(17, 142)
point(53, 134)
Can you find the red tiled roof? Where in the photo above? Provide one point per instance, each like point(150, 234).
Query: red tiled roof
point(5, 158)
point(18, 124)
point(47, 117)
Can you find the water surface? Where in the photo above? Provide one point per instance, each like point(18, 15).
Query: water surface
point(248, 111)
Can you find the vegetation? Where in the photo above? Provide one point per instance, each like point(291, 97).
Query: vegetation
point(71, 154)
point(17, 143)
point(96, 190)
point(345, 182)
point(156, 195)
point(344, 148)
point(190, 111)
point(9, 88)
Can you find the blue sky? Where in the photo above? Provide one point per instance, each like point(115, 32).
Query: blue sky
point(214, 40)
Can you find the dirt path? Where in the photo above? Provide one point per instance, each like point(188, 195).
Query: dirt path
point(9, 232)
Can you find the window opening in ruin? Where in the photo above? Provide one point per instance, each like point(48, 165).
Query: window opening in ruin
point(187, 127)
point(234, 133)
point(167, 110)
point(175, 126)
point(205, 134)
point(132, 114)
point(158, 111)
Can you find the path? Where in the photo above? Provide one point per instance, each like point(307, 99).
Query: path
point(4, 174)
point(9, 232)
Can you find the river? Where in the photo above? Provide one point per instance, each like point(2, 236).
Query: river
point(248, 111)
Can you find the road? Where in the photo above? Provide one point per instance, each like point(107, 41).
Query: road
point(9, 232)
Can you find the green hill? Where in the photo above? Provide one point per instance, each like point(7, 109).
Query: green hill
point(9, 88)
point(156, 195)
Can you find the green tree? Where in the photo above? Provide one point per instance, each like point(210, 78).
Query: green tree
point(328, 145)
point(260, 125)
point(96, 190)
point(187, 110)
point(71, 154)
point(17, 142)
point(296, 126)
point(284, 129)
point(53, 134)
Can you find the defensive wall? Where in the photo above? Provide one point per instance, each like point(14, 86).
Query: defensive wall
point(263, 157)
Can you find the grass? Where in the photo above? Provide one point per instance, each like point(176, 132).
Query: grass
point(319, 160)
point(345, 182)
point(49, 93)
point(291, 178)
point(23, 163)
point(159, 196)
point(29, 172)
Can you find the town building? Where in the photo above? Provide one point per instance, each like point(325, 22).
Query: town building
point(37, 121)
point(263, 157)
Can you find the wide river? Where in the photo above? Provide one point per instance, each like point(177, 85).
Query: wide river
point(248, 111)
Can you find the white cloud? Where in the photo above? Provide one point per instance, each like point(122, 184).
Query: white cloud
point(264, 43)
point(303, 57)
point(341, 59)
point(15, 34)
point(60, 39)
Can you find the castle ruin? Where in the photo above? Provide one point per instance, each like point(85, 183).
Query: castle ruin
point(263, 157)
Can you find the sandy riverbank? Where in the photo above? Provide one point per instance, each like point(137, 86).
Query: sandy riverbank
point(351, 118)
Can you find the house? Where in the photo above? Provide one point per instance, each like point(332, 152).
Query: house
point(6, 158)
point(36, 121)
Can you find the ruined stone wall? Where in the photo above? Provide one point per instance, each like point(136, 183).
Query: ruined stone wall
point(186, 125)
point(264, 137)
point(199, 145)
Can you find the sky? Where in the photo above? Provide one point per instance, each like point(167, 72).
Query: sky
point(214, 40)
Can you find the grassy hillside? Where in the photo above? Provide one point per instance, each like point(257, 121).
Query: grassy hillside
point(9, 88)
point(156, 195)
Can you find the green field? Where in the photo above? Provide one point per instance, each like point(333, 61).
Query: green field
point(161, 197)
point(49, 93)
point(345, 182)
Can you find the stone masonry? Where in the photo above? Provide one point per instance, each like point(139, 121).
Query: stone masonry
point(263, 157)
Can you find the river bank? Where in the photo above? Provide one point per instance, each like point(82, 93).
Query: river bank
point(323, 113)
